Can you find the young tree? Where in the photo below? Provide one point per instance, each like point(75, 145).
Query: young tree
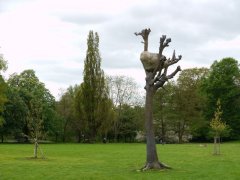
point(156, 67)
point(218, 128)
point(38, 102)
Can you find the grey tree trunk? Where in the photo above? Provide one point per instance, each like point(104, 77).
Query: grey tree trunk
point(216, 145)
point(152, 157)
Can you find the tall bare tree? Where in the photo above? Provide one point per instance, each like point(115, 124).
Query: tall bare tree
point(156, 67)
point(123, 91)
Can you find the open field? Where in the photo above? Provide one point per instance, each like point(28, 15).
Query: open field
point(118, 161)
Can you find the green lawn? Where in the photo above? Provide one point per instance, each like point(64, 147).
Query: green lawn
point(118, 161)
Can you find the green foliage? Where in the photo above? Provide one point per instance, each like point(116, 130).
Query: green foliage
point(67, 112)
point(94, 91)
point(216, 123)
point(35, 102)
point(130, 122)
point(162, 111)
point(223, 83)
point(118, 161)
point(3, 98)
point(123, 92)
point(178, 107)
point(3, 63)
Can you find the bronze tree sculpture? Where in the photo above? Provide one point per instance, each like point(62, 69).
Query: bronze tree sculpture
point(156, 67)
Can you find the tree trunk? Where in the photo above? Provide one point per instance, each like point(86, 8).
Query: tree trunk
point(2, 138)
point(152, 157)
point(163, 130)
point(79, 136)
point(216, 148)
point(115, 132)
point(180, 136)
point(35, 148)
point(219, 142)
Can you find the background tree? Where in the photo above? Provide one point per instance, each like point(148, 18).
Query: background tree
point(80, 124)
point(218, 126)
point(94, 87)
point(66, 110)
point(123, 91)
point(15, 113)
point(3, 100)
point(162, 111)
point(131, 122)
point(156, 67)
point(223, 83)
point(3, 63)
point(3, 87)
point(188, 103)
point(37, 101)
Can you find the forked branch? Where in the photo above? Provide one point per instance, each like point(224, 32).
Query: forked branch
point(144, 33)
point(163, 43)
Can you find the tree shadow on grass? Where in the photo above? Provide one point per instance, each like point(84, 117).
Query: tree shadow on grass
point(33, 159)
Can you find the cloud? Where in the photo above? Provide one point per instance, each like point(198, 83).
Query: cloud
point(51, 36)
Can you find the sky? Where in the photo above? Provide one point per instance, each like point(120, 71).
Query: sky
point(50, 36)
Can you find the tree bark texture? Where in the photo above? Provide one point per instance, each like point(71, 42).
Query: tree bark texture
point(151, 145)
point(156, 67)
point(216, 145)
point(35, 148)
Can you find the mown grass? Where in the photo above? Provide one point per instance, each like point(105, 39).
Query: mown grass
point(118, 161)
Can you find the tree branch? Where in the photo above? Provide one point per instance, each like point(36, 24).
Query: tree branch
point(163, 43)
point(173, 60)
point(144, 33)
point(161, 81)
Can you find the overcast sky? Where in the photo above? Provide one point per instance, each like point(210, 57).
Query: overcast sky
point(50, 36)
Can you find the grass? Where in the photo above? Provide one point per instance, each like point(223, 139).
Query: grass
point(118, 161)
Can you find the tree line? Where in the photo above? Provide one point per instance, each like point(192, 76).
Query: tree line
point(110, 108)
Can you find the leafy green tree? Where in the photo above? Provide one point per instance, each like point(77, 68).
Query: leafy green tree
point(162, 111)
point(66, 110)
point(131, 120)
point(223, 83)
point(188, 102)
point(80, 124)
point(94, 94)
point(3, 97)
point(15, 113)
point(38, 103)
point(3, 100)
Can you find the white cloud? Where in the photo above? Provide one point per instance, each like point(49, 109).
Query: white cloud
point(50, 36)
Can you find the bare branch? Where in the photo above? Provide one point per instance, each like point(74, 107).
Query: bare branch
point(170, 76)
point(144, 33)
point(161, 81)
point(172, 61)
point(163, 43)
